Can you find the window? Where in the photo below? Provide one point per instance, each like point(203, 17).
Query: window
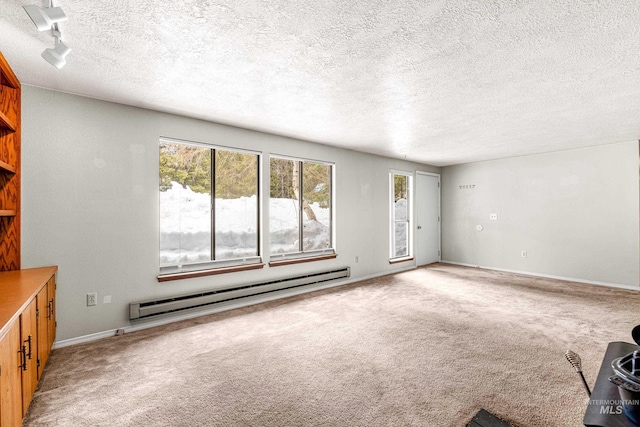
point(208, 207)
point(300, 208)
point(400, 214)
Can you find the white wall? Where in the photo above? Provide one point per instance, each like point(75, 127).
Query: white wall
point(90, 203)
point(575, 212)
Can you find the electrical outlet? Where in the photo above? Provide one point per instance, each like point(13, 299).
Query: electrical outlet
point(523, 254)
point(92, 299)
point(493, 217)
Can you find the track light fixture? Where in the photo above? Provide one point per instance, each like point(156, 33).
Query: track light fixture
point(44, 18)
point(56, 56)
point(47, 18)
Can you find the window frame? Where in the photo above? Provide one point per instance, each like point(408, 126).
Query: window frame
point(196, 269)
point(393, 258)
point(301, 255)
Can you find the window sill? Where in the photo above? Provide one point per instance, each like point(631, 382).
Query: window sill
point(301, 260)
point(399, 260)
point(211, 272)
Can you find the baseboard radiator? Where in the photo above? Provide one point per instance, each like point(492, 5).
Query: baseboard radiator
point(204, 300)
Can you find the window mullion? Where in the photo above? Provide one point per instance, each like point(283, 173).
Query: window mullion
point(300, 209)
point(212, 185)
point(258, 207)
point(331, 207)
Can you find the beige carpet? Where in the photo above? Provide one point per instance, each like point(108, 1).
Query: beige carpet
point(429, 347)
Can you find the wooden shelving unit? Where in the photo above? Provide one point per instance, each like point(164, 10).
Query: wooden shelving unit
point(10, 134)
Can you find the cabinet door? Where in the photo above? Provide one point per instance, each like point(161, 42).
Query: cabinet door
point(43, 329)
point(10, 378)
point(28, 337)
point(51, 312)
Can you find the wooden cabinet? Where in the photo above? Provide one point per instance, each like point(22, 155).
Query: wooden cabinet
point(10, 128)
point(10, 377)
point(27, 332)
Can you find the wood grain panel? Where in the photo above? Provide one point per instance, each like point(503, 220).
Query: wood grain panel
point(8, 191)
point(28, 338)
point(7, 167)
point(9, 144)
point(5, 141)
point(10, 134)
point(43, 329)
point(7, 77)
point(9, 244)
point(10, 390)
point(9, 106)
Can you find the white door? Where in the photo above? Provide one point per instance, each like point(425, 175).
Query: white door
point(427, 222)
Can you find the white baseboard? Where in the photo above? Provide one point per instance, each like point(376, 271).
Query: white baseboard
point(84, 339)
point(548, 276)
point(245, 302)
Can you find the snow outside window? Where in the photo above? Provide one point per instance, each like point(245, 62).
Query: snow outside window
point(400, 213)
point(300, 208)
point(208, 207)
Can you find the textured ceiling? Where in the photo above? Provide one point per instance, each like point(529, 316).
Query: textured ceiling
point(440, 82)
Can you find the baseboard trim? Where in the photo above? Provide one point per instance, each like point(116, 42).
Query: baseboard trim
point(84, 339)
point(245, 302)
point(547, 276)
